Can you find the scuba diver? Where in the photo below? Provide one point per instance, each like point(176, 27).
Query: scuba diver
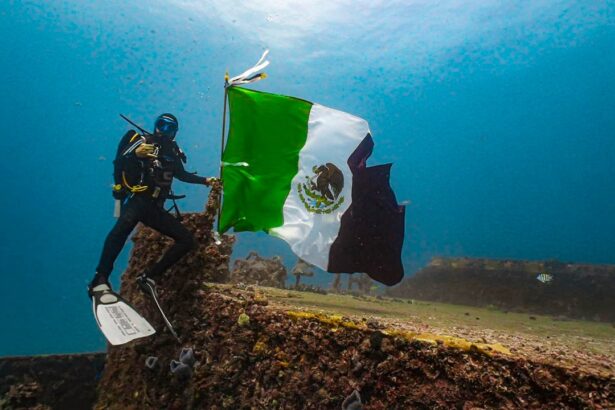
point(144, 168)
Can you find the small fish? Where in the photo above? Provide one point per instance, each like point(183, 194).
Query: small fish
point(545, 277)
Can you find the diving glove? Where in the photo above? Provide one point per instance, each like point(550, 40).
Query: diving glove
point(209, 181)
point(147, 151)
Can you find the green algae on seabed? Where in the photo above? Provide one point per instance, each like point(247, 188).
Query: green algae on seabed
point(449, 341)
point(571, 343)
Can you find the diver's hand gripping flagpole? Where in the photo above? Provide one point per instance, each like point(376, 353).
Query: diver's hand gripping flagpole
point(251, 75)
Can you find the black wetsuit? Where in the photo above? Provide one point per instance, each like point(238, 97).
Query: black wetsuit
point(148, 207)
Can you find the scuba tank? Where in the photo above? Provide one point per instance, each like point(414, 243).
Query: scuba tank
point(146, 175)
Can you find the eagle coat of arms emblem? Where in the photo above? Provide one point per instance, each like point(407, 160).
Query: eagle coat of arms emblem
point(320, 193)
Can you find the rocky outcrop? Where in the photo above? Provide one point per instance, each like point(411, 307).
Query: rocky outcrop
point(252, 354)
point(179, 291)
point(50, 382)
point(256, 270)
point(208, 262)
point(575, 291)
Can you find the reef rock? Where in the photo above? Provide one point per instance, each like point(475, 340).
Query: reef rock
point(574, 290)
point(251, 354)
point(50, 382)
point(256, 270)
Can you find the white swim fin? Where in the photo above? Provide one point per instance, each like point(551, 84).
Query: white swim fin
point(119, 322)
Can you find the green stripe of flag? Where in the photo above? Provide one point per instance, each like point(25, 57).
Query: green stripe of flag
point(266, 131)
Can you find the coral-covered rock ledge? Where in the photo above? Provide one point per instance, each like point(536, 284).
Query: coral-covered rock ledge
point(252, 354)
point(285, 359)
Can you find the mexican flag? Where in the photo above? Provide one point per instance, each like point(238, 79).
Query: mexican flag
point(297, 170)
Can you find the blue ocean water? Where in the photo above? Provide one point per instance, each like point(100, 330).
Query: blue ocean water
point(499, 117)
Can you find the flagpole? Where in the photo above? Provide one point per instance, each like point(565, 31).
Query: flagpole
point(226, 78)
point(249, 76)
